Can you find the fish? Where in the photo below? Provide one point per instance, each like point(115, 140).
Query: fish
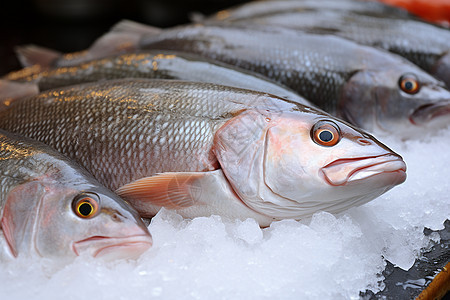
point(254, 9)
point(378, 91)
point(149, 64)
point(52, 208)
point(425, 45)
point(203, 149)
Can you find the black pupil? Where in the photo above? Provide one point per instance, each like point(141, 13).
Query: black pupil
point(409, 85)
point(325, 136)
point(85, 209)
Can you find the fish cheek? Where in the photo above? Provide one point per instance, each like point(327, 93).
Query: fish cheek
point(441, 69)
point(289, 164)
point(21, 211)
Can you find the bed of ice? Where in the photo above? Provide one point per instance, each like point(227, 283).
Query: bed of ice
point(326, 257)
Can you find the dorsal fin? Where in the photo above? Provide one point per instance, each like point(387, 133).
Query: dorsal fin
point(11, 91)
point(29, 55)
point(135, 28)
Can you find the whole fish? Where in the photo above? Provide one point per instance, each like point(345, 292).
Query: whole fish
point(425, 45)
point(150, 64)
point(51, 207)
point(371, 88)
point(254, 9)
point(205, 149)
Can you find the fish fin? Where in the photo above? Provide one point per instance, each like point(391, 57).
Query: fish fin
point(135, 28)
point(170, 190)
point(19, 214)
point(29, 55)
point(11, 91)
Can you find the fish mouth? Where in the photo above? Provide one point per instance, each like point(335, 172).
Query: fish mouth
point(425, 113)
point(344, 171)
point(114, 247)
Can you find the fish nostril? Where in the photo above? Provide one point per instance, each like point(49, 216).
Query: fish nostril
point(364, 142)
point(115, 218)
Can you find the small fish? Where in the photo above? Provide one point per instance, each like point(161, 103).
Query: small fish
point(425, 45)
point(371, 88)
point(52, 208)
point(150, 64)
point(203, 149)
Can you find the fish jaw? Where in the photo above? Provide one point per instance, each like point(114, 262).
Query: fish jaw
point(431, 113)
point(387, 168)
point(110, 248)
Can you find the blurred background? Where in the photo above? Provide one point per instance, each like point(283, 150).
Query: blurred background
point(72, 25)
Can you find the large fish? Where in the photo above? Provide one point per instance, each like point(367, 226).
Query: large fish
point(262, 8)
point(425, 45)
point(205, 149)
point(51, 207)
point(371, 88)
point(150, 64)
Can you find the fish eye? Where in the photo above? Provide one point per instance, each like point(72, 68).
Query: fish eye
point(409, 84)
point(326, 133)
point(86, 205)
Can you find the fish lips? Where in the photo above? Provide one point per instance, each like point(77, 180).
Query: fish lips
point(346, 171)
point(430, 112)
point(114, 247)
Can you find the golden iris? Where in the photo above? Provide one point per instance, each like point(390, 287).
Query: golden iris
point(409, 84)
point(86, 205)
point(326, 133)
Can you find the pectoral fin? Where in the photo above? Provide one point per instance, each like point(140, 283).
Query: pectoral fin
point(19, 215)
point(169, 190)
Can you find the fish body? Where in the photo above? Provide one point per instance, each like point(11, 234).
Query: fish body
point(204, 149)
point(363, 85)
point(423, 44)
point(263, 8)
point(52, 208)
point(150, 64)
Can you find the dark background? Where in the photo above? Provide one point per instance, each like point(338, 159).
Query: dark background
point(72, 25)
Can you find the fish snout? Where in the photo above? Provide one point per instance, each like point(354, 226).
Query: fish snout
point(344, 171)
point(431, 112)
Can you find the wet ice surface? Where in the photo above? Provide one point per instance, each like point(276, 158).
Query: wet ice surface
point(326, 257)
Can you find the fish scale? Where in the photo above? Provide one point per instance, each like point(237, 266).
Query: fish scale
point(150, 64)
point(419, 42)
point(298, 64)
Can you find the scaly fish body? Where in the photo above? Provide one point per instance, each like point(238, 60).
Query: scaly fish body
point(421, 43)
point(153, 64)
point(205, 149)
point(361, 84)
point(263, 8)
point(51, 207)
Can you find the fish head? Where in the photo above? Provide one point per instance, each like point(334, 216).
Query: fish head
point(401, 100)
point(92, 220)
point(305, 161)
point(442, 69)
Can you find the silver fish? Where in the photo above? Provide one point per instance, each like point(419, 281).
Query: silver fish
point(52, 208)
point(150, 64)
point(204, 149)
point(425, 45)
